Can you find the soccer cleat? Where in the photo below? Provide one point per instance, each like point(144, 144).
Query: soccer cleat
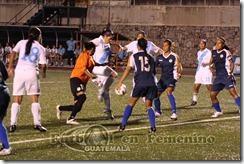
point(158, 113)
point(40, 128)
point(4, 152)
point(121, 128)
point(152, 130)
point(174, 117)
point(59, 113)
point(12, 128)
point(217, 114)
point(194, 103)
point(109, 114)
point(72, 122)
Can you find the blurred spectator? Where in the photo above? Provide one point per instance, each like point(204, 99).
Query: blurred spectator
point(48, 53)
point(70, 51)
point(53, 55)
point(60, 56)
point(77, 51)
point(8, 51)
point(1, 52)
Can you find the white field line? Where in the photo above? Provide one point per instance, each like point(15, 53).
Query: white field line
point(139, 128)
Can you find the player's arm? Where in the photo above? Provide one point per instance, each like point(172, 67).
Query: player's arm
point(211, 65)
point(44, 69)
point(179, 65)
point(43, 61)
point(156, 49)
point(10, 65)
point(232, 64)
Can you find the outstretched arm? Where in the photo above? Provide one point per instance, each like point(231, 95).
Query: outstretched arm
point(124, 76)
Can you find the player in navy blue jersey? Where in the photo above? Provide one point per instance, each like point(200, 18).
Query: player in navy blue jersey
point(171, 69)
point(144, 84)
point(222, 61)
point(4, 102)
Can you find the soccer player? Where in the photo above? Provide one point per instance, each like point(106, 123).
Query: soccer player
point(105, 73)
point(78, 80)
point(224, 66)
point(203, 74)
point(26, 78)
point(8, 51)
point(144, 84)
point(171, 70)
point(132, 47)
point(4, 102)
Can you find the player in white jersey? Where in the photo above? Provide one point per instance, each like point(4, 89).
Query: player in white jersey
point(105, 73)
point(203, 74)
point(151, 47)
point(26, 78)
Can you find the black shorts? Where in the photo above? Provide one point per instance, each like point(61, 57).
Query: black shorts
point(163, 84)
point(150, 92)
point(221, 82)
point(77, 86)
point(4, 102)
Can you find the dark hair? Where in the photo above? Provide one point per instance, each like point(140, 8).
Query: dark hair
point(223, 40)
point(204, 41)
point(142, 32)
point(168, 41)
point(32, 35)
point(89, 45)
point(107, 32)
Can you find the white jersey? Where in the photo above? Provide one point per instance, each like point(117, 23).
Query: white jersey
point(102, 52)
point(8, 50)
point(30, 62)
point(151, 47)
point(203, 57)
point(54, 50)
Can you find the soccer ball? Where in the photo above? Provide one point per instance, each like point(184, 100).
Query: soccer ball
point(121, 91)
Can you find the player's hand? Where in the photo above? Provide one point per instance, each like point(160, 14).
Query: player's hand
point(230, 75)
point(118, 86)
point(43, 75)
point(203, 64)
point(97, 81)
point(178, 76)
point(10, 72)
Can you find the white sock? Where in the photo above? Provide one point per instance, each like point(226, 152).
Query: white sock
point(14, 113)
point(194, 97)
point(35, 109)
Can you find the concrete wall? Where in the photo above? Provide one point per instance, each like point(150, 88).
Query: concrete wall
point(165, 15)
point(185, 38)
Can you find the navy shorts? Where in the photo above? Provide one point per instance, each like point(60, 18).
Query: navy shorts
point(77, 86)
point(221, 82)
point(150, 92)
point(4, 102)
point(163, 84)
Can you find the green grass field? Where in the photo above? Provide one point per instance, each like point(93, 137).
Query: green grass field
point(220, 137)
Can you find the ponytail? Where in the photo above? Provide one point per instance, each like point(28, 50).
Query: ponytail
point(32, 36)
point(28, 45)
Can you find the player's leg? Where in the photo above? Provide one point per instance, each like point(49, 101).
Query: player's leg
point(15, 109)
point(195, 94)
point(172, 102)
point(127, 112)
point(157, 103)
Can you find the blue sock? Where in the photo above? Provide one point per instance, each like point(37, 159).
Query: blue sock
point(127, 113)
point(238, 102)
point(3, 135)
point(151, 116)
point(157, 105)
point(216, 107)
point(172, 103)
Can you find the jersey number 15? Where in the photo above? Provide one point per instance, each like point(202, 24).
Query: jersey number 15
point(144, 61)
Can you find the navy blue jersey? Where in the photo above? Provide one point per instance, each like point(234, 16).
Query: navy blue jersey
point(144, 69)
point(168, 65)
point(221, 60)
point(3, 74)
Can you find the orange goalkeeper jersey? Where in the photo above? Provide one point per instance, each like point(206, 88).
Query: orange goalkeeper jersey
point(84, 61)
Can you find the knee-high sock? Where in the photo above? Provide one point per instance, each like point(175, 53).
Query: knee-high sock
point(107, 83)
point(238, 102)
point(194, 98)
point(78, 105)
point(107, 101)
point(14, 113)
point(172, 103)
point(36, 112)
point(157, 104)
point(66, 108)
point(216, 107)
point(127, 113)
point(3, 135)
point(151, 116)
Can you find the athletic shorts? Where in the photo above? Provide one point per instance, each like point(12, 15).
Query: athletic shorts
point(26, 81)
point(4, 102)
point(204, 78)
point(221, 82)
point(150, 93)
point(163, 84)
point(76, 86)
point(103, 72)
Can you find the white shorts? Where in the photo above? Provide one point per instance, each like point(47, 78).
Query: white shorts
point(26, 81)
point(204, 78)
point(103, 72)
